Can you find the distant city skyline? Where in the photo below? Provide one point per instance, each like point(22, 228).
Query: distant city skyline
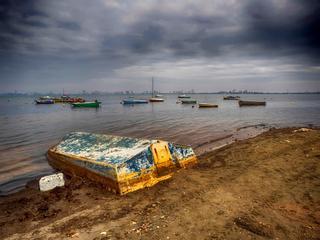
point(114, 46)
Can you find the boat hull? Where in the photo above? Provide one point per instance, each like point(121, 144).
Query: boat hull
point(156, 100)
point(134, 101)
point(86, 105)
point(231, 98)
point(251, 103)
point(44, 102)
point(207, 105)
point(189, 101)
point(66, 99)
point(121, 164)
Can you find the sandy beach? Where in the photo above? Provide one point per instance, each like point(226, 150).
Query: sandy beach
point(266, 187)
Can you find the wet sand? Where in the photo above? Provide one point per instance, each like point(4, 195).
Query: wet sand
point(266, 187)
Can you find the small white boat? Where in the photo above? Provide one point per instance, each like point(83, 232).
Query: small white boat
point(157, 98)
point(183, 96)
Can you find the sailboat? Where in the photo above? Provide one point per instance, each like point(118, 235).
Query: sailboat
point(155, 98)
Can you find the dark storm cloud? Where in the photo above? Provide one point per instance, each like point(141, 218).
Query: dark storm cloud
point(292, 29)
point(13, 14)
point(256, 27)
point(149, 38)
point(127, 38)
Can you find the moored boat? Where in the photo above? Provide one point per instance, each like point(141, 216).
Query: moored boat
point(231, 98)
point(183, 96)
point(155, 99)
point(94, 104)
point(67, 99)
point(57, 100)
point(45, 98)
point(251, 103)
point(76, 100)
point(207, 105)
point(122, 164)
point(134, 101)
point(44, 101)
point(188, 101)
point(159, 95)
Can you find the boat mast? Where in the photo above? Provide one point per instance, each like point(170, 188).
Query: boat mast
point(152, 87)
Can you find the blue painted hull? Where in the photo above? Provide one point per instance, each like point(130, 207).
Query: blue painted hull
point(134, 101)
point(44, 102)
point(123, 164)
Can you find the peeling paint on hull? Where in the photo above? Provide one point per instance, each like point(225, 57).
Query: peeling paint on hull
point(122, 164)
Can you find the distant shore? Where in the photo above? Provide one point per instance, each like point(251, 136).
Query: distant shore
point(98, 93)
point(264, 187)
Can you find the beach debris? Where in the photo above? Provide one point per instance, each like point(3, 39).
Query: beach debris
point(50, 182)
point(302, 130)
point(122, 164)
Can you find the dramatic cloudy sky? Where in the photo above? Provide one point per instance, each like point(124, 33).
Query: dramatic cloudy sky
point(108, 45)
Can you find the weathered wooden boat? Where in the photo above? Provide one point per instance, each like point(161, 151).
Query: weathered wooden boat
point(251, 103)
point(122, 164)
point(231, 98)
point(207, 105)
point(94, 104)
point(183, 96)
point(188, 101)
point(44, 101)
point(134, 101)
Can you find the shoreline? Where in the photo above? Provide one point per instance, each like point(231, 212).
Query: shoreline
point(207, 145)
point(263, 186)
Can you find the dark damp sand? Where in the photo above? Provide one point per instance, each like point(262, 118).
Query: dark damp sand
point(267, 187)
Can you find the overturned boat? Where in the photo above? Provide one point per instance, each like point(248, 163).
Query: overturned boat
point(122, 164)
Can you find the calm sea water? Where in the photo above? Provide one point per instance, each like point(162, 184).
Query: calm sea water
point(28, 130)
